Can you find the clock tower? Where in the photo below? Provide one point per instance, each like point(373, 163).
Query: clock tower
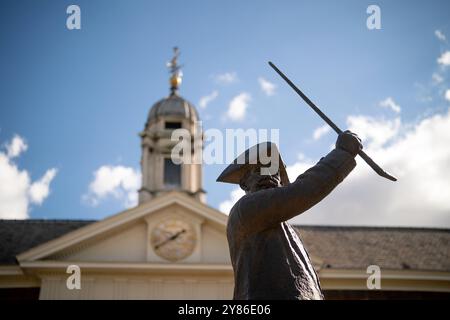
point(160, 174)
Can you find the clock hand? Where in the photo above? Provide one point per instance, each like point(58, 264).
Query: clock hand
point(176, 235)
point(171, 238)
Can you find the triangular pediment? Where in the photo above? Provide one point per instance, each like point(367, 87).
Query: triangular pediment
point(124, 237)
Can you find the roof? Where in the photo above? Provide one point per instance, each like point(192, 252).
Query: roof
point(390, 248)
point(173, 105)
point(17, 236)
point(337, 247)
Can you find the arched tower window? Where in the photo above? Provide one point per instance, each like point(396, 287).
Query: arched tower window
point(172, 174)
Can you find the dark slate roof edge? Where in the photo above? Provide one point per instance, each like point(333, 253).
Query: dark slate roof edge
point(301, 226)
point(46, 221)
point(371, 228)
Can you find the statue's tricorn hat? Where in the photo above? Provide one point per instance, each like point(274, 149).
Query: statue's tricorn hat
point(259, 154)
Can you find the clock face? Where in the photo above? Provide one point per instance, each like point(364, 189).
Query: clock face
point(173, 239)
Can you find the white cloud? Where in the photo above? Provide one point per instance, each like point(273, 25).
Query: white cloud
point(238, 106)
point(205, 100)
point(299, 167)
point(447, 94)
point(226, 78)
point(40, 189)
point(419, 158)
point(235, 195)
point(374, 133)
point(390, 103)
point(14, 184)
point(321, 131)
point(267, 86)
point(439, 35)
point(437, 78)
point(17, 191)
point(119, 182)
point(444, 59)
point(16, 147)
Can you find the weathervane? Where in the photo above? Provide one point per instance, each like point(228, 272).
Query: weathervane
point(175, 70)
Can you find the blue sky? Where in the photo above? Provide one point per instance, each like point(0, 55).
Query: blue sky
point(79, 98)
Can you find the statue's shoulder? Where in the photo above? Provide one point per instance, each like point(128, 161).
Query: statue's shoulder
point(234, 218)
point(234, 211)
point(241, 203)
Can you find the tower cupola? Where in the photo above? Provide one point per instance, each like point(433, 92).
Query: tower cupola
point(160, 173)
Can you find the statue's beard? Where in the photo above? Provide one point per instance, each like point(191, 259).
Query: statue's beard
point(267, 183)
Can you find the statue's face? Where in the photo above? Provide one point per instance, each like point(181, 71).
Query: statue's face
point(254, 181)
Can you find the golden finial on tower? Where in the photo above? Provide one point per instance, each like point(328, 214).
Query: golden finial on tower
point(175, 70)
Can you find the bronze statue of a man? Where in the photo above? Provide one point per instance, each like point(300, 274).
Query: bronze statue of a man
point(268, 257)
